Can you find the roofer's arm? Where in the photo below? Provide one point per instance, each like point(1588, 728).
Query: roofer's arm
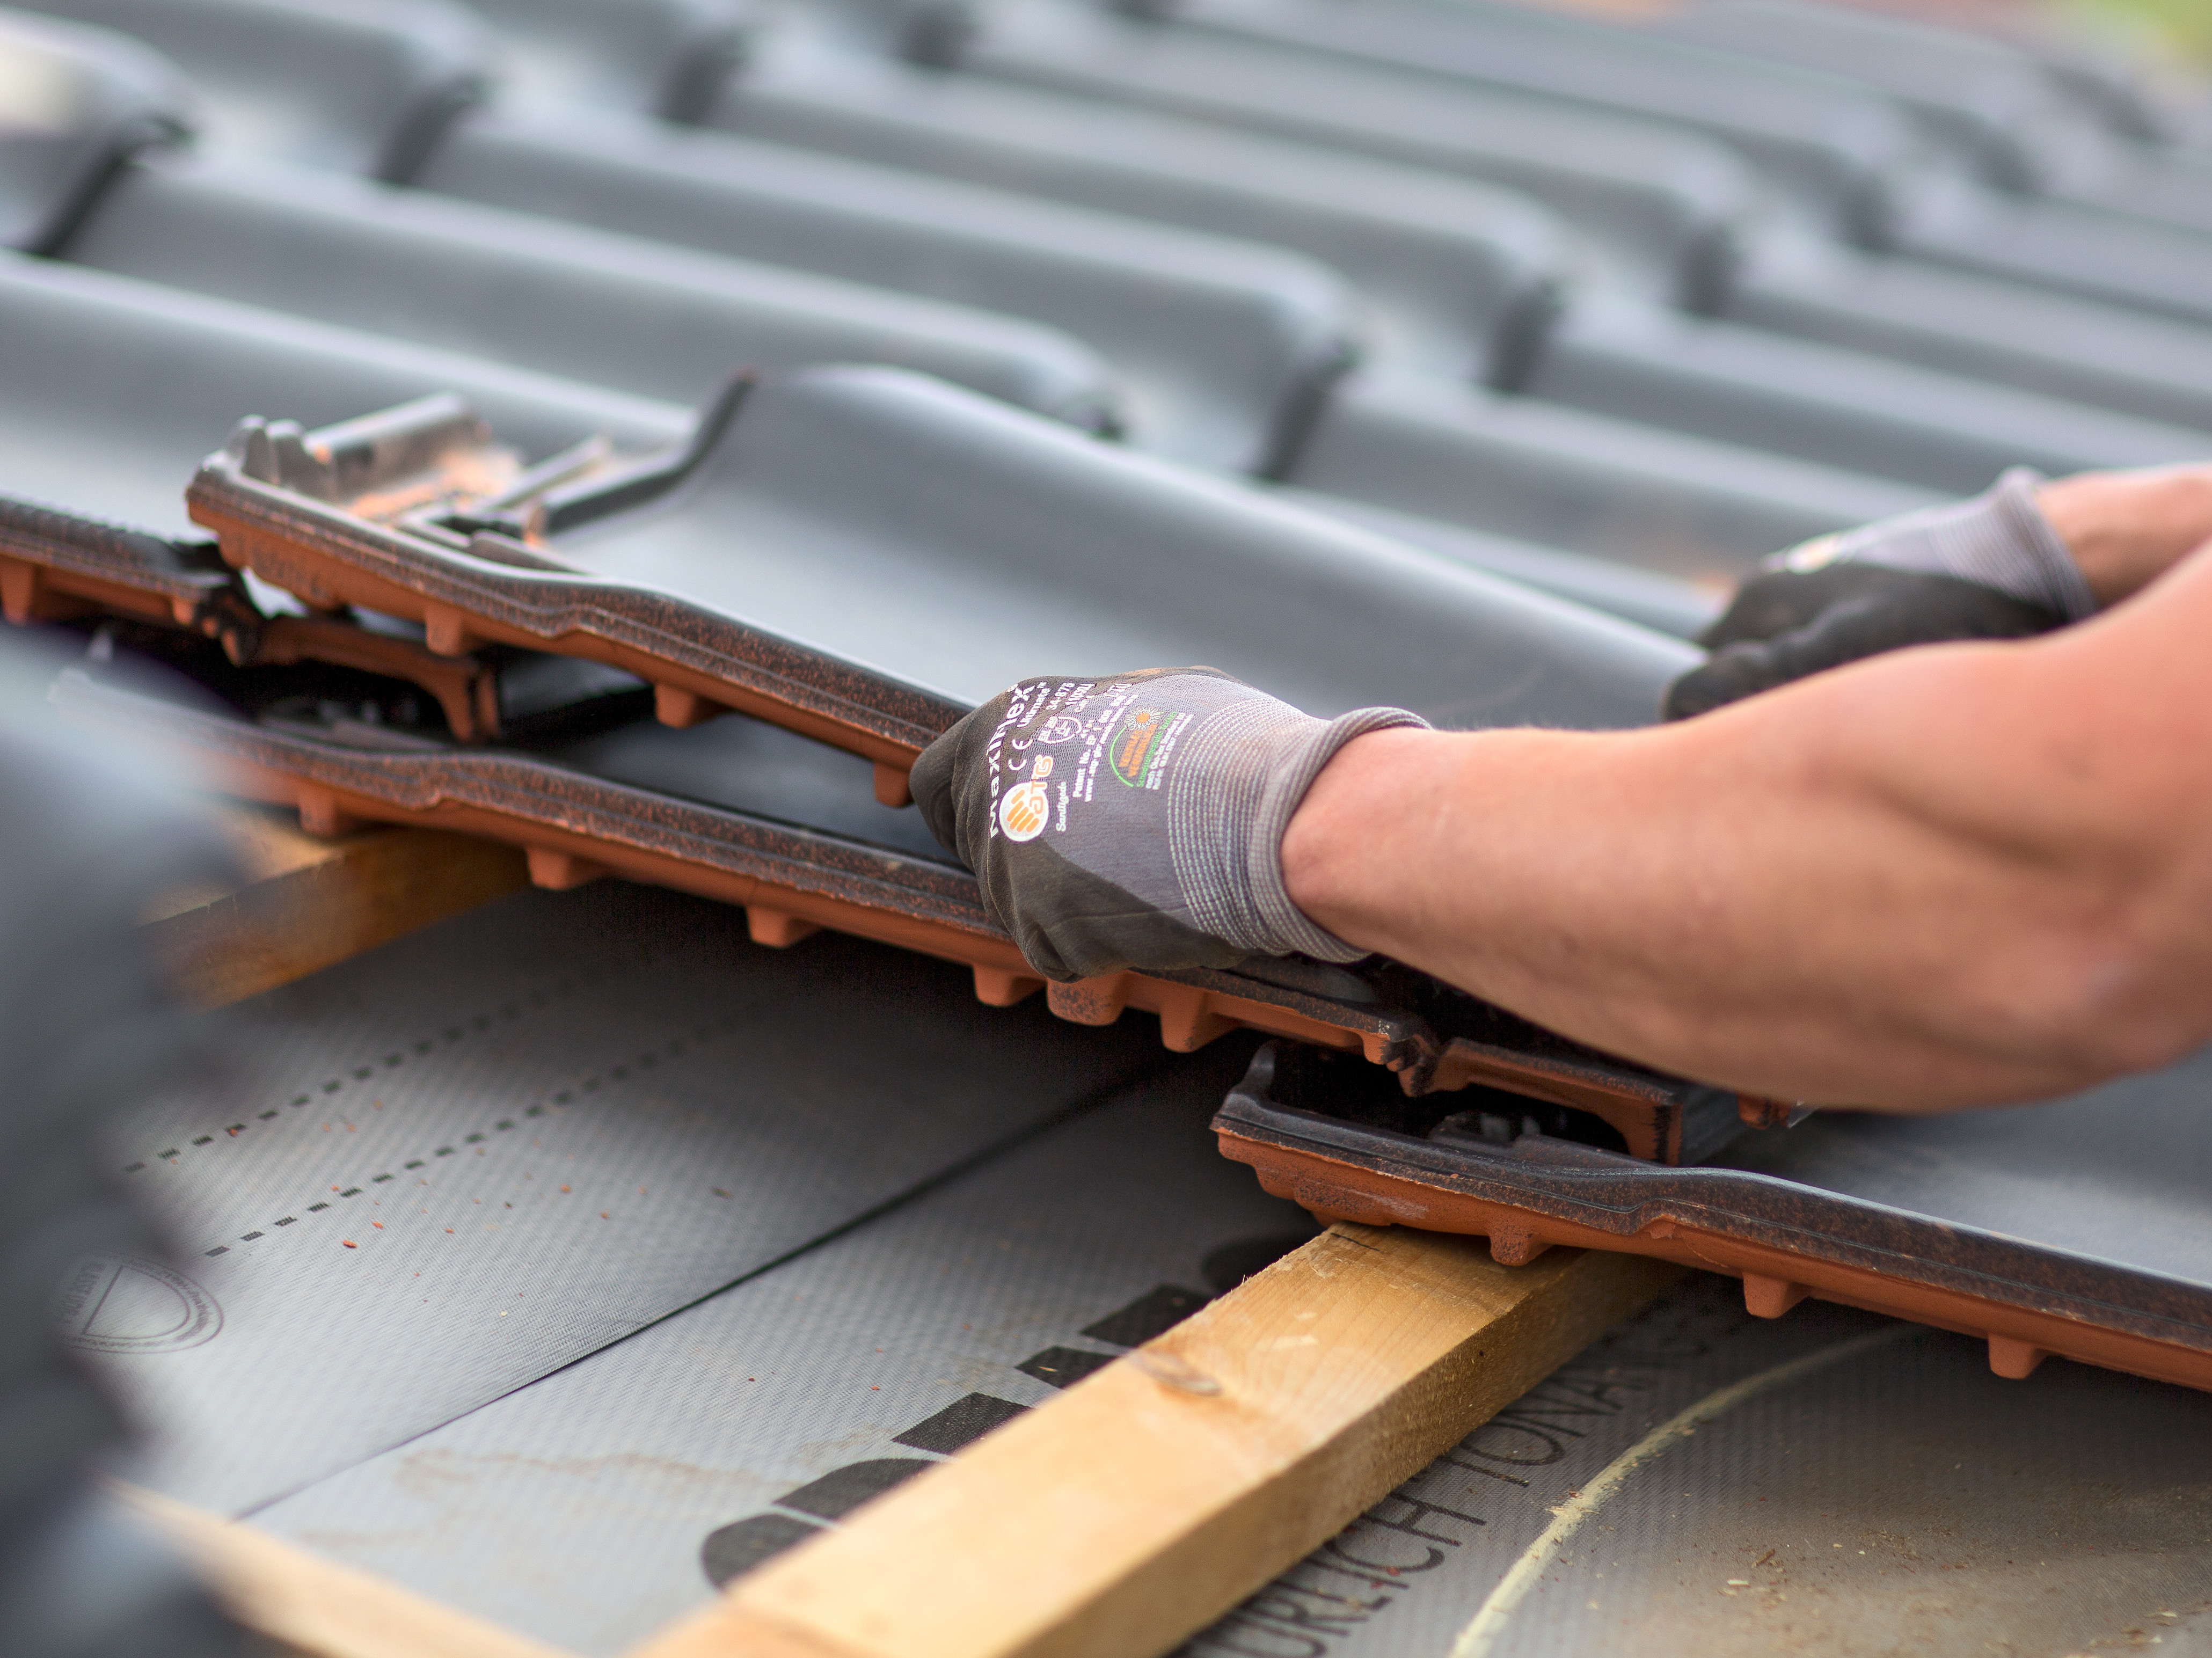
point(1944, 877)
point(1958, 875)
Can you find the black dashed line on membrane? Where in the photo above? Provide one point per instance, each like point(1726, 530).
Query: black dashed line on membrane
point(674, 1047)
point(536, 998)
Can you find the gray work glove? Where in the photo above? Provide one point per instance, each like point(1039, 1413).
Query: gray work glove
point(1136, 821)
point(1991, 568)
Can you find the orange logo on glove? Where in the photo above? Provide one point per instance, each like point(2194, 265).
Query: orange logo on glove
point(1024, 808)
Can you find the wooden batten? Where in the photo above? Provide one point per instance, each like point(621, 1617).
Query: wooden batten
point(308, 903)
point(1117, 1519)
point(314, 1606)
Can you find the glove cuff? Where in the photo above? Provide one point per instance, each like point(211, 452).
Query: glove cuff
point(1999, 539)
point(1250, 767)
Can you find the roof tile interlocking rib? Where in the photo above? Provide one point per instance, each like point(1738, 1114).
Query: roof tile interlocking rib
point(579, 824)
point(1913, 1218)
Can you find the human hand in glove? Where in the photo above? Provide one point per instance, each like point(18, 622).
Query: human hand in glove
point(2024, 557)
point(1136, 821)
point(1991, 568)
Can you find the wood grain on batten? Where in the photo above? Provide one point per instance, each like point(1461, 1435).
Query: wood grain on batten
point(1120, 1516)
point(305, 904)
point(314, 1606)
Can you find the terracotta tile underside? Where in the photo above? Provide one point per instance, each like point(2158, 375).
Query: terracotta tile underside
point(2016, 1226)
point(61, 567)
point(374, 535)
point(378, 545)
point(792, 881)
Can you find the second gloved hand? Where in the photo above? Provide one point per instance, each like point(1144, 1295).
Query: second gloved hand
point(1991, 568)
point(1136, 820)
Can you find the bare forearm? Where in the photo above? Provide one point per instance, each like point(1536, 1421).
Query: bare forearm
point(2127, 529)
point(1881, 887)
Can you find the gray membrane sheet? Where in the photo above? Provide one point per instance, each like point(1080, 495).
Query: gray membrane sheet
point(436, 1173)
point(1698, 1481)
point(1847, 1484)
point(1833, 1485)
point(576, 1509)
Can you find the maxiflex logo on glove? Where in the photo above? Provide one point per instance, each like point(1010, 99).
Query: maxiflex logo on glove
point(1131, 744)
point(1136, 820)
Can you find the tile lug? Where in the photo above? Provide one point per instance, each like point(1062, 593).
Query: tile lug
point(997, 986)
point(893, 786)
point(674, 705)
point(446, 631)
point(1770, 1298)
point(1514, 1246)
point(321, 815)
point(1089, 1001)
point(779, 929)
point(559, 872)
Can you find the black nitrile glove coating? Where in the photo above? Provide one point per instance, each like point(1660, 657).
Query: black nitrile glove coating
point(1787, 624)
